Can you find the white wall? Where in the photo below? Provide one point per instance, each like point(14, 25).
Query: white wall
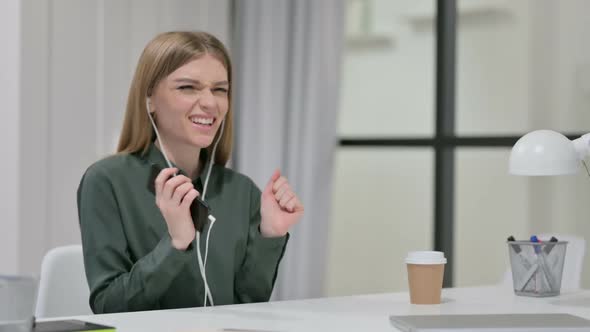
point(33, 145)
point(76, 65)
point(9, 134)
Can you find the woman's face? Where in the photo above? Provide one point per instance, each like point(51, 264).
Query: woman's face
point(191, 102)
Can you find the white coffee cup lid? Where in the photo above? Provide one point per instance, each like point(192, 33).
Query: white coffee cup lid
point(426, 257)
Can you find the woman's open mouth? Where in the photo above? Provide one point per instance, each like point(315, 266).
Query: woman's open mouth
point(202, 122)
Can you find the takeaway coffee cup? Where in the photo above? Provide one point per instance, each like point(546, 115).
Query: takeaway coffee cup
point(425, 276)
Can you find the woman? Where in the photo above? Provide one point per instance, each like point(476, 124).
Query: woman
point(139, 245)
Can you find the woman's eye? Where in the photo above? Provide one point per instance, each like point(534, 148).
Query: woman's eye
point(185, 87)
point(221, 90)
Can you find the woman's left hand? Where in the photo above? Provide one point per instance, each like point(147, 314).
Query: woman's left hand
point(280, 208)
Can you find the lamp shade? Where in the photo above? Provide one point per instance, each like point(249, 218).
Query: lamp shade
point(543, 152)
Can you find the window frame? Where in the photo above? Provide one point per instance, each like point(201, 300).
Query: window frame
point(445, 141)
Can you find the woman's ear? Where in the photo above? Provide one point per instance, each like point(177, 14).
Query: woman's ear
point(148, 105)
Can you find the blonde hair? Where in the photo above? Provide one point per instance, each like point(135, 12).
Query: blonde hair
point(163, 55)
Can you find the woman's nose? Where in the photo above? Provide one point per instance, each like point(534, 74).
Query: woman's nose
point(207, 99)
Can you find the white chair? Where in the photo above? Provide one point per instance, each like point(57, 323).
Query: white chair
point(572, 267)
point(63, 289)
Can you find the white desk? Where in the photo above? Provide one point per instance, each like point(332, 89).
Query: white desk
point(354, 313)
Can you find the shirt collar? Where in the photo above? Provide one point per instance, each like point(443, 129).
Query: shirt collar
point(155, 156)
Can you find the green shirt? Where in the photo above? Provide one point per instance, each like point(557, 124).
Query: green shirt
point(128, 256)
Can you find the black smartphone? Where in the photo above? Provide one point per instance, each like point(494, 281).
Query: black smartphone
point(199, 208)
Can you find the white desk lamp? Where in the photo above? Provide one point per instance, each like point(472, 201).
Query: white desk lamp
point(546, 152)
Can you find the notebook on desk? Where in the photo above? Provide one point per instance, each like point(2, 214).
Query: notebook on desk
point(491, 323)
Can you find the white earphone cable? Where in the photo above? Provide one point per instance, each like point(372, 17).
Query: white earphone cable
point(202, 264)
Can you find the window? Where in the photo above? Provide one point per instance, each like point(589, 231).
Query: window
point(429, 144)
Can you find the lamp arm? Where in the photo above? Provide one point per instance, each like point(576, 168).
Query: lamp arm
point(582, 146)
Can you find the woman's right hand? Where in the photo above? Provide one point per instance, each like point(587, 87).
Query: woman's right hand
point(174, 196)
